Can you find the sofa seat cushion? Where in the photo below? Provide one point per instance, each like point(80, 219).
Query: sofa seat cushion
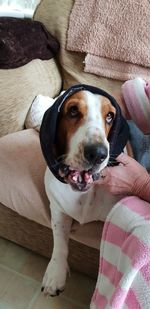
point(22, 169)
point(22, 172)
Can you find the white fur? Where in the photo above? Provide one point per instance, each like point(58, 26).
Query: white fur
point(67, 204)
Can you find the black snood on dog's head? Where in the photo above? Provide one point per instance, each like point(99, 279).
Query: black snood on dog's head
point(118, 135)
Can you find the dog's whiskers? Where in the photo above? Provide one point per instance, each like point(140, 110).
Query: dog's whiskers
point(58, 163)
point(60, 160)
point(63, 156)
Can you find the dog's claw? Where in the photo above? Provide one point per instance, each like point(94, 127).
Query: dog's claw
point(58, 292)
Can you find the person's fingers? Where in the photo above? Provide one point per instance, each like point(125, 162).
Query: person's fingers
point(103, 176)
point(103, 173)
point(123, 158)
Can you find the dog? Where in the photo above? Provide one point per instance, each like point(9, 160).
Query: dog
point(82, 150)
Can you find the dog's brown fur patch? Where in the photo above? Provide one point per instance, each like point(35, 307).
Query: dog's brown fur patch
point(106, 108)
point(67, 126)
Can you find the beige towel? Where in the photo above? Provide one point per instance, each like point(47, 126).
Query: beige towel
point(115, 34)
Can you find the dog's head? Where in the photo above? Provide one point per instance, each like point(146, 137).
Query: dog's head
point(77, 143)
point(81, 141)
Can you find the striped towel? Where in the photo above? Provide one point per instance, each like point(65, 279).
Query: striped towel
point(124, 272)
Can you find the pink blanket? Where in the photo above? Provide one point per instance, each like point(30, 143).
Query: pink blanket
point(124, 272)
point(114, 34)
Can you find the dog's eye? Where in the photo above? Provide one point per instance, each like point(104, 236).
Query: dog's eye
point(109, 117)
point(73, 111)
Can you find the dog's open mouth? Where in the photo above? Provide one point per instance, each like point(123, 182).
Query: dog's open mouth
point(79, 180)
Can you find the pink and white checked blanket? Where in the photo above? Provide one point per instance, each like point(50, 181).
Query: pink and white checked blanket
point(124, 272)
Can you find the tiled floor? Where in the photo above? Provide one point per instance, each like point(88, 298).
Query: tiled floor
point(21, 274)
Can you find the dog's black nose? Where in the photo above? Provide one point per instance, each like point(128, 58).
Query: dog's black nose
point(95, 153)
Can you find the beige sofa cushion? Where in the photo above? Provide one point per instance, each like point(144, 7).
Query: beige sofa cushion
point(55, 16)
point(22, 175)
point(22, 169)
point(18, 88)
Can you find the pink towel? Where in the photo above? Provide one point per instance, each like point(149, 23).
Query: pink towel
point(114, 34)
point(124, 272)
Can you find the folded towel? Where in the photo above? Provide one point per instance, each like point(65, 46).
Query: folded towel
point(24, 40)
point(124, 271)
point(114, 34)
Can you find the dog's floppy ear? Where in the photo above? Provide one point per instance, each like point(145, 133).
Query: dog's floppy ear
point(47, 136)
point(119, 133)
point(118, 138)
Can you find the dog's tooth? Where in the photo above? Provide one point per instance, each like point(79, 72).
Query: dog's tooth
point(90, 180)
point(61, 174)
point(74, 177)
point(80, 178)
point(87, 177)
point(80, 187)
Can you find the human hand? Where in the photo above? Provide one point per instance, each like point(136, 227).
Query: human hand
point(128, 178)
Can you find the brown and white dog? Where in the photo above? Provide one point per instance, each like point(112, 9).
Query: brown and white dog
point(82, 147)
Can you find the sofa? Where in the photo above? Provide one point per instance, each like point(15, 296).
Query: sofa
point(24, 207)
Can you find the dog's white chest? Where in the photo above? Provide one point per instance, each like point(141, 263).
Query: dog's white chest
point(83, 207)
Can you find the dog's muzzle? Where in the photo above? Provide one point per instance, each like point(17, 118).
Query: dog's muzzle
point(80, 181)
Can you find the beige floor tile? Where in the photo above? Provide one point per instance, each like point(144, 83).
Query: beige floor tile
point(21, 279)
point(19, 292)
point(5, 276)
point(3, 244)
point(35, 266)
point(12, 255)
point(79, 287)
point(57, 302)
point(4, 305)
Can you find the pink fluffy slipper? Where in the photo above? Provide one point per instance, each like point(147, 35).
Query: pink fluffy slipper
point(136, 94)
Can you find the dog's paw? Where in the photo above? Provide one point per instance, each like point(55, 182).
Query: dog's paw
point(55, 278)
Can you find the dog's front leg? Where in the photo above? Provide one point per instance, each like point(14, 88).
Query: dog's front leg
point(55, 276)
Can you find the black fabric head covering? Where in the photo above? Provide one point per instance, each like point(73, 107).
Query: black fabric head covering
point(117, 138)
